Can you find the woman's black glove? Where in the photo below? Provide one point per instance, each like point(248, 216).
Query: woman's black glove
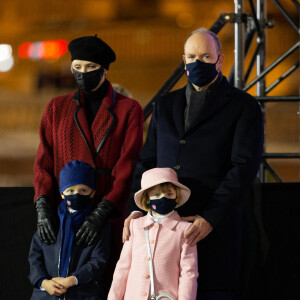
point(92, 225)
point(45, 221)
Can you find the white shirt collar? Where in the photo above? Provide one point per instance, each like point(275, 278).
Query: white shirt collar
point(160, 218)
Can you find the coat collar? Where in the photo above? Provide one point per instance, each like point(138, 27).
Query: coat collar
point(216, 99)
point(170, 222)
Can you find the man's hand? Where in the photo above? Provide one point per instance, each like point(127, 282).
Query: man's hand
point(53, 288)
point(197, 231)
point(126, 230)
point(65, 282)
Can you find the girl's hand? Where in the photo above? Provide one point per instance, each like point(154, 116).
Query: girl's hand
point(197, 231)
point(53, 288)
point(126, 230)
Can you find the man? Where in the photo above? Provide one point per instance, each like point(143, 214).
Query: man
point(95, 125)
point(212, 135)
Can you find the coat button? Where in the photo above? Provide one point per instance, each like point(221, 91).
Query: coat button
point(144, 294)
point(177, 167)
point(147, 258)
point(156, 225)
point(182, 142)
point(147, 276)
point(152, 242)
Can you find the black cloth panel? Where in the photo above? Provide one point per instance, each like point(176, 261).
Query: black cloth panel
point(271, 264)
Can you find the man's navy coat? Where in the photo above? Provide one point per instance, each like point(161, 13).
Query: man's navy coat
point(217, 157)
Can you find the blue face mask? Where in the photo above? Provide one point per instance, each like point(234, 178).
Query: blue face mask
point(200, 73)
point(77, 201)
point(163, 205)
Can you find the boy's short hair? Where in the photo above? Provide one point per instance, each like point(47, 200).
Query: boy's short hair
point(165, 186)
point(76, 172)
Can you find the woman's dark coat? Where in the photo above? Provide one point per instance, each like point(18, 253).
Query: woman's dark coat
point(87, 264)
point(217, 158)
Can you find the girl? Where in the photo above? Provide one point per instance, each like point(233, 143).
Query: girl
point(174, 262)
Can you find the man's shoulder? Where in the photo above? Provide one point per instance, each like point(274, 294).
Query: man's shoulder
point(168, 98)
point(176, 93)
point(242, 98)
point(233, 91)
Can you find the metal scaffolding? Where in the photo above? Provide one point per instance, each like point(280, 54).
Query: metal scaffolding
point(256, 23)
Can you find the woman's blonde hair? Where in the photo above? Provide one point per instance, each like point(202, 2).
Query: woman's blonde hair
point(165, 186)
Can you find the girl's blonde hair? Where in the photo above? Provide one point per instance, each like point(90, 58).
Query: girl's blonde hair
point(164, 187)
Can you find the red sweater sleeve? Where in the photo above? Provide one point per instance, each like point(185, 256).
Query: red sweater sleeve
point(43, 165)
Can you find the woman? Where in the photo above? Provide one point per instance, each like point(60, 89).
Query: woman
point(98, 126)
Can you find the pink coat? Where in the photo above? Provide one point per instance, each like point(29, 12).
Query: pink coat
point(174, 261)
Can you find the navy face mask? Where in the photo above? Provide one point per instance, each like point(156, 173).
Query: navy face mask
point(200, 73)
point(88, 80)
point(77, 201)
point(163, 205)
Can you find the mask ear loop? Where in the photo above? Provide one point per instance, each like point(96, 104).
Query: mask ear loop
point(217, 62)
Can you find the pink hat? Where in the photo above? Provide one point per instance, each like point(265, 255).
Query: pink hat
point(156, 176)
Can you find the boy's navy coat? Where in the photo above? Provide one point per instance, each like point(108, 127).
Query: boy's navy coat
point(217, 158)
point(86, 264)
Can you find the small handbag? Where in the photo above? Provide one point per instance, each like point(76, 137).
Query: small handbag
point(152, 291)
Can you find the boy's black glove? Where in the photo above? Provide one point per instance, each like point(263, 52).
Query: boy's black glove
point(45, 221)
point(92, 225)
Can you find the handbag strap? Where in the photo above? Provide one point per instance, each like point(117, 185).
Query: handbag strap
point(152, 291)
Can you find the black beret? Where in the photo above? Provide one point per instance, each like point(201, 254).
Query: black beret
point(93, 49)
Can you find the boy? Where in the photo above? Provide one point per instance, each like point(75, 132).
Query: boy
point(64, 268)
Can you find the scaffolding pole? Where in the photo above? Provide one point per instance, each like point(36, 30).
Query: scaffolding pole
point(238, 45)
point(261, 10)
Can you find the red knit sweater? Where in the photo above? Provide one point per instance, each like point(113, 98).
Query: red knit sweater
point(61, 141)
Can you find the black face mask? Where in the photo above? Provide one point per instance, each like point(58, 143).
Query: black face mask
point(88, 80)
point(77, 201)
point(163, 205)
point(200, 73)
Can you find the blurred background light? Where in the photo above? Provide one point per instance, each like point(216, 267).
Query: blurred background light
point(25, 50)
point(185, 20)
point(6, 65)
point(52, 49)
point(6, 59)
point(45, 49)
point(5, 52)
